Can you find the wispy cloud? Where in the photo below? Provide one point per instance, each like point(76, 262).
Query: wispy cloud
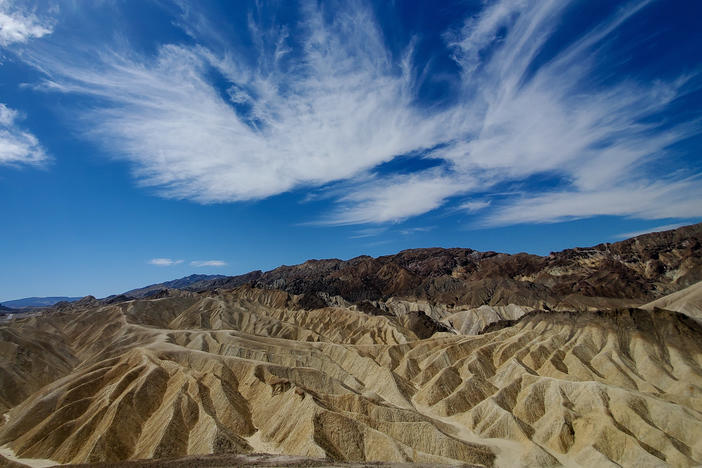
point(326, 107)
point(17, 146)
point(18, 25)
point(393, 199)
point(368, 232)
point(414, 230)
point(557, 119)
point(654, 200)
point(208, 263)
point(376, 231)
point(474, 206)
point(341, 110)
point(666, 227)
point(165, 262)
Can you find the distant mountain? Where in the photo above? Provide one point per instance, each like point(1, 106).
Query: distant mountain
point(630, 272)
point(180, 283)
point(37, 301)
point(5, 309)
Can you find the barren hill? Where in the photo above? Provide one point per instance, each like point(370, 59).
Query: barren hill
point(687, 301)
point(429, 356)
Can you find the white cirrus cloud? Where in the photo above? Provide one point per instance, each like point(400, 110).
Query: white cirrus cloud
point(665, 227)
point(393, 199)
point(18, 25)
point(208, 263)
point(657, 200)
point(555, 119)
point(166, 262)
point(17, 146)
point(414, 230)
point(328, 106)
point(368, 232)
point(474, 205)
point(345, 110)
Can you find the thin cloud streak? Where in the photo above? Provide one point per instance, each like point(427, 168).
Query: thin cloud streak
point(666, 227)
point(474, 206)
point(396, 198)
point(164, 262)
point(658, 200)
point(414, 230)
point(208, 263)
point(368, 232)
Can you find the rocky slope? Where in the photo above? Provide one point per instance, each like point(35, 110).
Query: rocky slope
point(312, 367)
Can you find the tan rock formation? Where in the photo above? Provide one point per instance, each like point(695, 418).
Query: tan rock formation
point(231, 372)
point(687, 301)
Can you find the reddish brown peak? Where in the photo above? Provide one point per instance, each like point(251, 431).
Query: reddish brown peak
point(641, 269)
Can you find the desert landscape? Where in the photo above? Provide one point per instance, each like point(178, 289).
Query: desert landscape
point(586, 357)
point(350, 233)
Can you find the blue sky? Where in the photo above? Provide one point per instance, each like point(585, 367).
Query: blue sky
point(142, 141)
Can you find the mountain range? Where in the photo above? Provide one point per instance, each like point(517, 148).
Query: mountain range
point(585, 357)
point(631, 272)
point(37, 301)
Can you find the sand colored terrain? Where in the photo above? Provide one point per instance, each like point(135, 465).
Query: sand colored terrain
point(473, 321)
point(248, 370)
point(688, 302)
point(9, 459)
